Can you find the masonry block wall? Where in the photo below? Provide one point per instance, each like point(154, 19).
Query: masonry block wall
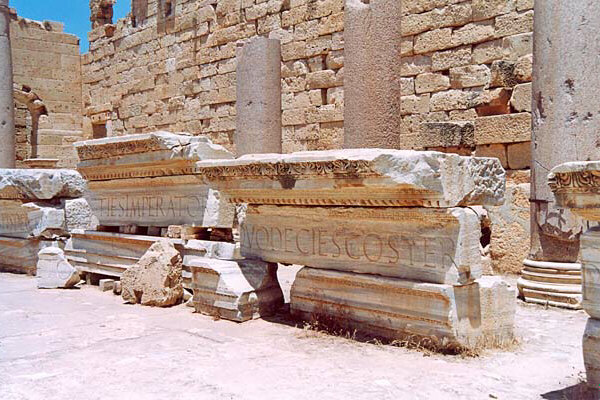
point(173, 68)
point(466, 68)
point(47, 60)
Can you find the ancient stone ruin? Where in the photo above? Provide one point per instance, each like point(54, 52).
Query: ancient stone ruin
point(396, 153)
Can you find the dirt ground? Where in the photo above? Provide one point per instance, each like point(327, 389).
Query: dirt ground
point(85, 344)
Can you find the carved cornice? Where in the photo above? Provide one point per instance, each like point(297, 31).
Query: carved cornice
point(575, 181)
point(336, 168)
point(108, 150)
point(158, 169)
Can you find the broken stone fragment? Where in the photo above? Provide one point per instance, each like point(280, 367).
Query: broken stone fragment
point(54, 271)
point(78, 215)
point(25, 220)
point(477, 315)
point(359, 177)
point(40, 184)
point(155, 280)
point(237, 291)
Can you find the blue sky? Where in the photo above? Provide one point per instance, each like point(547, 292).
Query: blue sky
point(75, 14)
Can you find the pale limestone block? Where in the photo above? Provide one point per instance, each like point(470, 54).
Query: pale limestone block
point(237, 291)
point(155, 280)
point(473, 33)
point(372, 87)
point(518, 45)
point(590, 263)
point(415, 104)
point(477, 315)
point(438, 39)
point(485, 9)
point(20, 255)
point(469, 76)
point(24, 220)
point(431, 82)
point(428, 245)
point(457, 57)
point(106, 284)
point(514, 23)
point(407, 86)
point(210, 249)
point(365, 177)
point(591, 352)
point(524, 68)
point(521, 97)
point(486, 53)
point(40, 184)
point(54, 271)
point(411, 66)
point(507, 128)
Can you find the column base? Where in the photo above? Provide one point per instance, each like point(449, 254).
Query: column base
point(443, 317)
point(591, 352)
point(551, 283)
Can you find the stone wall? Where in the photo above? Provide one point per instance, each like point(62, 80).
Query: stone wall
point(466, 68)
point(47, 61)
point(177, 72)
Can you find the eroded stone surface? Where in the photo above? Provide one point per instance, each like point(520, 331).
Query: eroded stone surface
point(54, 271)
point(40, 184)
point(79, 215)
point(576, 186)
point(155, 280)
point(590, 271)
point(23, 220)
point(477, 315)
point(365, 177)
point(238, 291)
point(423, 244)
point(20, 255)
point(144, 155)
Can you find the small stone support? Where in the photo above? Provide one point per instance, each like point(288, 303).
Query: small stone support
point(7, 107)
point(372, 39)
point(258, 97)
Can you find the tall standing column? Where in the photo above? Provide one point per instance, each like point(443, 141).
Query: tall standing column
point(258, 103)
point(566, 123)
point(7, 106)
point(372, 40)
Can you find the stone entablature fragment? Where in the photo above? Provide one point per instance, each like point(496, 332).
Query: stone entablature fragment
point(361, 177)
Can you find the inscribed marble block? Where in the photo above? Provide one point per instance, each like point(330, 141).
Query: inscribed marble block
point(424, 244)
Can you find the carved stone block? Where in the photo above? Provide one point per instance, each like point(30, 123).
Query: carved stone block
point(359, 177)
point(477, 315)
point(423, 244)
point(238, 291)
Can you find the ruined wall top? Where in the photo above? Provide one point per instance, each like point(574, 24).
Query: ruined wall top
point(101, 12)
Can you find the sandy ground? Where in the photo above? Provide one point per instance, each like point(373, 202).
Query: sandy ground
point(85, 344)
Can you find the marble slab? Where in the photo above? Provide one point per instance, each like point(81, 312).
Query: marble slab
point(423, 244)
point(145, 155)
point(235, 290)
point(179, 200)
point(23, 220)
point(20, 255)
point(40, 184)
point(358, 177)
point(477, 315)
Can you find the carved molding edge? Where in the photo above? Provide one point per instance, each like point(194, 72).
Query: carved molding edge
point(576, 181)
point(107, 150)
point(338, 168)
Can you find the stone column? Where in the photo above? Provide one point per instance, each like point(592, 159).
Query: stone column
point(566, 117)
point(7, 105)
point(258, 103)
point(372, 39)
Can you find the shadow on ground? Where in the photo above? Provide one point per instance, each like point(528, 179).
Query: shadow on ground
point(576, 392)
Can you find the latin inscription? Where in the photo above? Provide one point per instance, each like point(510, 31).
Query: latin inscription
point(342, 244)
point(150, 206)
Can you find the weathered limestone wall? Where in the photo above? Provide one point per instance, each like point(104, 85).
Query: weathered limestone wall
point(177, 72)
point(466, 70)
point(47, 60)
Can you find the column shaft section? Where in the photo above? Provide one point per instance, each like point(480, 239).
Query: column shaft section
point(7, 106)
